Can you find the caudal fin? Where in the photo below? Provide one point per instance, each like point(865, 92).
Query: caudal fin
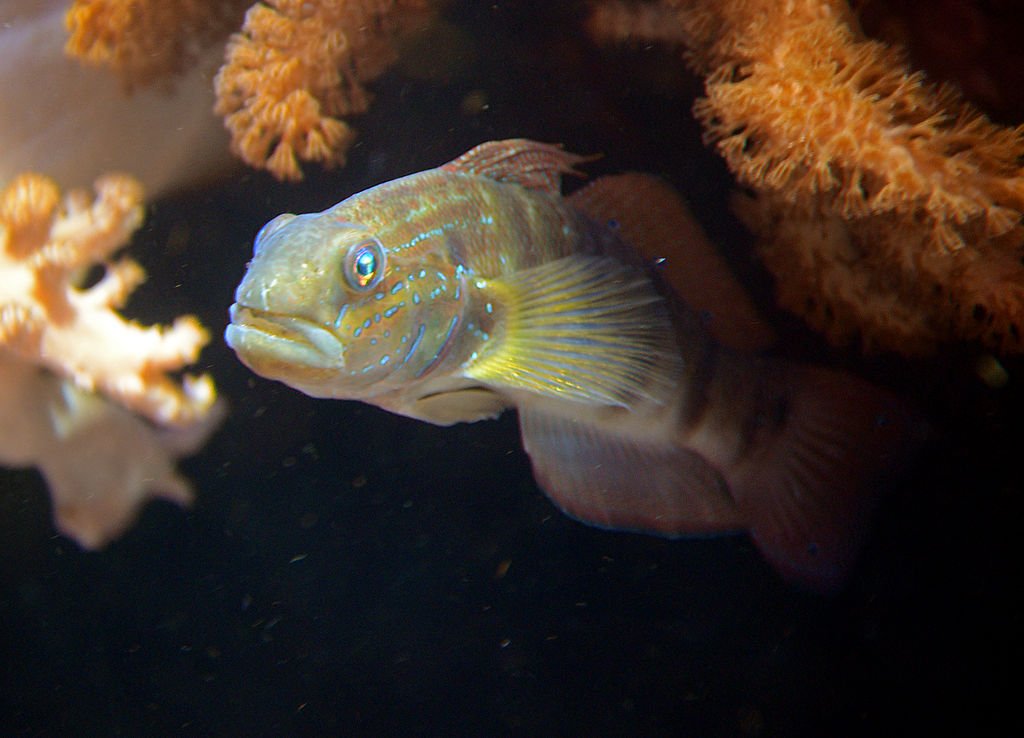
point(807, 493)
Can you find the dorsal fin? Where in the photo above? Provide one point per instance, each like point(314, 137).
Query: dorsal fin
point(652, 218)
point(536, 166)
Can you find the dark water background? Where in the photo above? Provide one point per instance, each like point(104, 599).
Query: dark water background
point(349, 572)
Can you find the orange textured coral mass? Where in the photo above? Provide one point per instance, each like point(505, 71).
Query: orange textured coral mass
point(887, 207)
point(145, 40)
point(297, 67)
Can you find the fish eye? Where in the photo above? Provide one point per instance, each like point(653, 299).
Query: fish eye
point(364, 265)
point(271, 226)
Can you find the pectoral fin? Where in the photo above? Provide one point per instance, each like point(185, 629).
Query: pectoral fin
point(583, 328)
point(618, 483)
point(462, 405)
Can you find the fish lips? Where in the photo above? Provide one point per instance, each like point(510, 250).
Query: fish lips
point(283, 346)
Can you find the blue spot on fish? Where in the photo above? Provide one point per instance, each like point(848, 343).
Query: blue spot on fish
point(415, 344)
point(441, 350)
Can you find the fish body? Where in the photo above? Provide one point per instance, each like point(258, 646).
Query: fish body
point(453, 294)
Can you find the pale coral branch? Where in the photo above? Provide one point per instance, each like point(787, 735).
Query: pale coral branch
point(101, 462)
point(46, 317)
point(85, 395)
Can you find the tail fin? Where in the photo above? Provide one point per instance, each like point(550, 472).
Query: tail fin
point(808, 491)
point(825, 448)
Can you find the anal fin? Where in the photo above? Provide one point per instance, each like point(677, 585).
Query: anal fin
point(617, 483)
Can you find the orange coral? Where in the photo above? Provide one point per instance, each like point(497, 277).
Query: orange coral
point(292, 72)
point(296, 67)
point(886, 207)
point(145, 40)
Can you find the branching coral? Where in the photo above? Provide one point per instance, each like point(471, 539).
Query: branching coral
point(46, 317)
point(292, 72)
point(73, 372)
point(887, 207)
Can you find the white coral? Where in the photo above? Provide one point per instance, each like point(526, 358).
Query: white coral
point(75, 376)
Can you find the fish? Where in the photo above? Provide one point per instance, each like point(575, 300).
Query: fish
point(645, 402)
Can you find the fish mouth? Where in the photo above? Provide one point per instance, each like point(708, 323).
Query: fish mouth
point(273, 343)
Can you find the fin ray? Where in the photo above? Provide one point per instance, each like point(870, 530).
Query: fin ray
point(534, 165)
point(584, 328)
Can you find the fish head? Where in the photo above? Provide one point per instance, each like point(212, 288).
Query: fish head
point(327, 308)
